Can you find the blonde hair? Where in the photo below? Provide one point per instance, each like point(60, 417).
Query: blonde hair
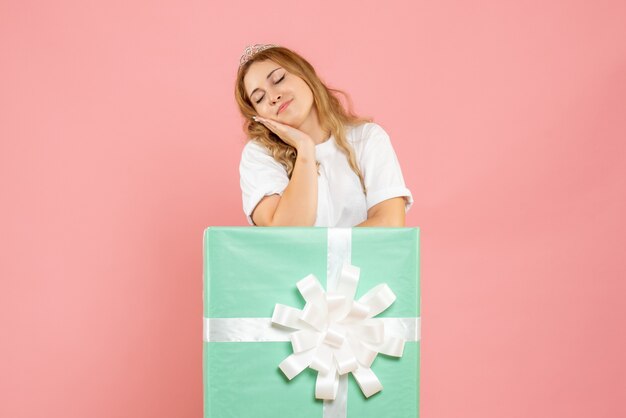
point(332, 115)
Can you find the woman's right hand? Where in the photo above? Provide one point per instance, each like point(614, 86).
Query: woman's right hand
point(290, 135)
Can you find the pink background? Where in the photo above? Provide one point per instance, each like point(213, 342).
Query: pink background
point(120, 143)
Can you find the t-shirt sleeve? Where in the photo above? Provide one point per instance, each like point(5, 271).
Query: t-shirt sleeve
point(381, 169)
point(260, 175)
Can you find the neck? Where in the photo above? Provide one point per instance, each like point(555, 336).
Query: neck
point(311, 126)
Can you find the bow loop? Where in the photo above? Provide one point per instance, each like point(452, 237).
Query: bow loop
point(336, 334)
point(378, 299)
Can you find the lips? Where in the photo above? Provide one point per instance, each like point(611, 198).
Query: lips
point(284, 106)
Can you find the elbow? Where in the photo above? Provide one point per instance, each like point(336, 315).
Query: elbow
point(390, 220)
point(400, 224)
point(397, 219)
point(394, 222)
point(389, 213)
point(276, 221)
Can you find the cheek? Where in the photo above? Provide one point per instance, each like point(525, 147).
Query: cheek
point(305, 93)
point(259, 108)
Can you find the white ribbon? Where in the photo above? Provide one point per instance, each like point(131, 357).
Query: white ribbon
point(333, 334)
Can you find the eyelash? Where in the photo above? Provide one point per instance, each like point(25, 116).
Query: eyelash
point(262, 97)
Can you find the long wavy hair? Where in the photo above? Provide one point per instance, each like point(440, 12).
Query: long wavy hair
point(332, 115)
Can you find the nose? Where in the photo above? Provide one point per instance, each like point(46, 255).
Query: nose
point(274, 94)
point(275, 97)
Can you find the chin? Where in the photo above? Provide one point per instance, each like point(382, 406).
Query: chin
point(291, 123)
point(291, 120)
point(296, 122)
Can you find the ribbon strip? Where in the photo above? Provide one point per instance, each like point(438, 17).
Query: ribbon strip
point(250, 330)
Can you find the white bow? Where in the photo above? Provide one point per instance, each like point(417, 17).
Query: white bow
point(337, 334)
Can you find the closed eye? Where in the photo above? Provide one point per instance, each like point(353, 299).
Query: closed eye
point(281, 79)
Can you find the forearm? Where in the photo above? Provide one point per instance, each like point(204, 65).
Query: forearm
point(298, 204)
point(380, 220)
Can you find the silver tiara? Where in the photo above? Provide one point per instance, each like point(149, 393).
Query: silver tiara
point(252, 50)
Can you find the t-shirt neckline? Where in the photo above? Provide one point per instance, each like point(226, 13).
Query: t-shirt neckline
point(325, 147)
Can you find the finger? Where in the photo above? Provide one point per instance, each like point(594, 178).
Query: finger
point(270, 126)
point(275, 127)
point(272, 121)
point(266, 122)
point(259, 119)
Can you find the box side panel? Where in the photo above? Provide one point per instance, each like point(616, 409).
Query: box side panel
point(252, 269)
point(246, 383)
point(389, 255)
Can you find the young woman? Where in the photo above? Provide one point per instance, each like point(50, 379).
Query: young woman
point(308, 161)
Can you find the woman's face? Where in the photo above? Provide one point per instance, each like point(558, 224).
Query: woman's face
point(269, 86)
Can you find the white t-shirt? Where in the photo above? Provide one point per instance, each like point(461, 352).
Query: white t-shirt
point(340, 201)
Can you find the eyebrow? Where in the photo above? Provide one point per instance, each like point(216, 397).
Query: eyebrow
point(268, 76)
